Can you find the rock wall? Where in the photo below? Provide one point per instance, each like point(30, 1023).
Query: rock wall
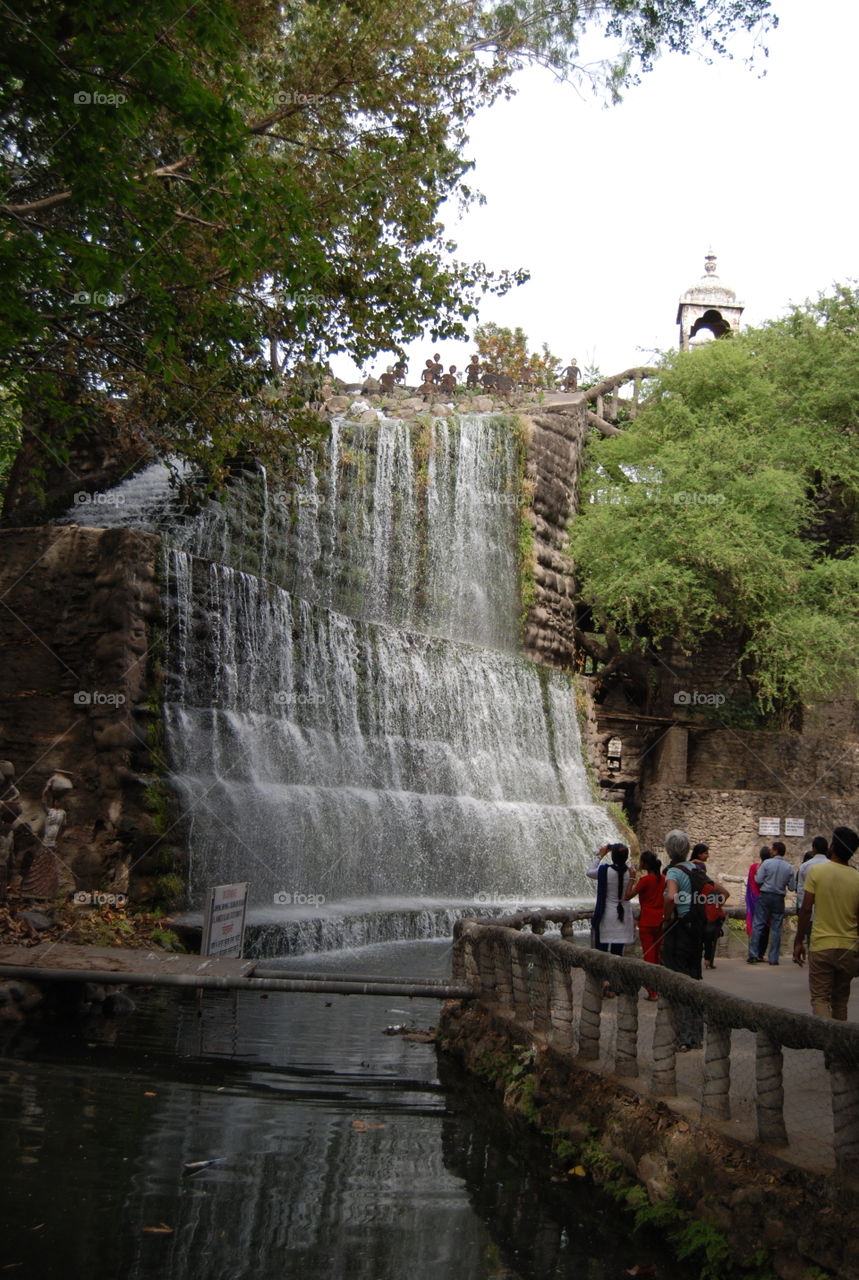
point(728, 821)
point(554, 462)
point(79, 607)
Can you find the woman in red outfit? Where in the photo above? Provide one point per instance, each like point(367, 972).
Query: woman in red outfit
point(649, 888)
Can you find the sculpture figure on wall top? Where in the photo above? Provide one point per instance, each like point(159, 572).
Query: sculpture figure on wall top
point(472, 372)
point(489, 380)
point(571, 376)
point(504, 385)
point(428, 381)
point(388, 380)
point(401, 369)
point(41, 879)
point(448, 380)
point(438, 367)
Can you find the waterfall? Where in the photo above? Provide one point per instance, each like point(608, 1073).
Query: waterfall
point(322, 756)
point(346, 714)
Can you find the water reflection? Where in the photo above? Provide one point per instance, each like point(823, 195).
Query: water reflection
point(339, 1152)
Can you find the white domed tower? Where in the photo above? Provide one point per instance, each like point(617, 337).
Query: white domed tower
point(708, 305)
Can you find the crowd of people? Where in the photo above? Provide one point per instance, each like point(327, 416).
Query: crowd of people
point(682, 910)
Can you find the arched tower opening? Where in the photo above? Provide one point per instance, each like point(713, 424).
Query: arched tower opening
point(708, 305)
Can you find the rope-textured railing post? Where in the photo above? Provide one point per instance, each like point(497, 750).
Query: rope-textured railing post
point(715, 1096)
point(457, 960)
point(503, 975)
point(844, 1082)
point(561, 1036)
point(663, 1082)
point(486, 966)
point(626, 1044)
point(769, 1074)
point(589, 1022)
point(521, 994)
point(470, 965)
point(542, 985)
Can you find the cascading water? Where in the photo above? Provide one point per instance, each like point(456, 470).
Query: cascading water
point(346, 715)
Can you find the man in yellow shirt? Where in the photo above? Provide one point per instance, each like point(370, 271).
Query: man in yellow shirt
point(832, 892)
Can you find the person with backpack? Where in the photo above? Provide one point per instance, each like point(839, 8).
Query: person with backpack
point(687, 889)
point(713, 910)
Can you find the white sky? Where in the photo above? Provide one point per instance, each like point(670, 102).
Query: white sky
point(612, 209)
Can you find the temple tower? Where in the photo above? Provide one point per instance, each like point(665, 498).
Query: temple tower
point(708, 305)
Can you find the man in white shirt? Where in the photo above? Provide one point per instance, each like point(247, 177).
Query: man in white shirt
point(820, 852)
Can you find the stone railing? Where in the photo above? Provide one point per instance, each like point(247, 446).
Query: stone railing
point(525, 975)
point(606, 418)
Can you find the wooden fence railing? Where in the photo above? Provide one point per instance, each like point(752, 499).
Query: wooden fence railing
point(525, 973)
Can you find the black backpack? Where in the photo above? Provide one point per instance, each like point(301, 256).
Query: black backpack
point(700, 885)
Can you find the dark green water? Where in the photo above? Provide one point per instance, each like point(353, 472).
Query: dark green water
point(340, 1152)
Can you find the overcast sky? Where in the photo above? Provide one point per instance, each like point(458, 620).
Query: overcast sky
point(612, 209)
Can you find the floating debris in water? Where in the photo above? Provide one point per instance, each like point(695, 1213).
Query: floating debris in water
point(196, 1166)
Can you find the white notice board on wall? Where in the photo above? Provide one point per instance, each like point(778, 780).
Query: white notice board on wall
point(224, 920)
point(794, 826)
point(769, 826)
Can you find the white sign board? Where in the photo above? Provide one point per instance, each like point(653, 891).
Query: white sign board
point(794, 826)
point(224, 920)
point(615, 747)
point(769, 826)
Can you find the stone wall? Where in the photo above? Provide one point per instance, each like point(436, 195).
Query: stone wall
point(728, 821)
point(556, 435)
point(77, 674)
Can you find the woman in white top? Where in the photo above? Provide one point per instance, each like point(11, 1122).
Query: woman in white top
point(612, 919)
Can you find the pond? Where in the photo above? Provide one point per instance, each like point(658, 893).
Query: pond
point(336, 1149)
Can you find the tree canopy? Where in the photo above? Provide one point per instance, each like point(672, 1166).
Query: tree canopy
point(731, 504)
point(506, 351)
point(204, 203)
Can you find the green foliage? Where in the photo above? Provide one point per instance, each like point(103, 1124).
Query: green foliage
point(168, 891)
point(167, 939)
point(506, 351)
point(732, 504)
point(10, 434)
point(204, 203)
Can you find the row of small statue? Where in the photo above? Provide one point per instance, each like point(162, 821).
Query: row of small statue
point(434, 378)
point(29, 843)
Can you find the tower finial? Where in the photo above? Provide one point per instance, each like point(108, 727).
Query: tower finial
point(710, 262)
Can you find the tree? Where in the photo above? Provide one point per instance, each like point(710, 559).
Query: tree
point(731, 505)
point(506, 351)
point(204, 203)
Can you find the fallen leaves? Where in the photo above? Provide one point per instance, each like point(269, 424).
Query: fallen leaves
point(161, 1230)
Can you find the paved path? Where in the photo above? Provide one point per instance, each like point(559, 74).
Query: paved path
point(808, 1105)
